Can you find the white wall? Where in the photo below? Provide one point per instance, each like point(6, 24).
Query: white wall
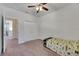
point(63, 23)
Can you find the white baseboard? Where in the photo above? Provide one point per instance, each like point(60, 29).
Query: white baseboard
point(0, 52)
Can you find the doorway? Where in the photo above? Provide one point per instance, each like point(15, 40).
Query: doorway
point(8, 29)
point(10, 33)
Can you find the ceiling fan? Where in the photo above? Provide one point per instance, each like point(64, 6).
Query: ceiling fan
point(39, 7)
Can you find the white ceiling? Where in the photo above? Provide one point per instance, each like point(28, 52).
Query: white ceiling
point(23, 7)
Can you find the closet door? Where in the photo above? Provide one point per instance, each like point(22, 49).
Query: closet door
point(27, 31)
point(30, 31)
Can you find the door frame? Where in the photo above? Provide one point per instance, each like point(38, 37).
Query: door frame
point(2, 33)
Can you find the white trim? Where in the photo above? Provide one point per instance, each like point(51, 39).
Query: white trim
point(0, 51)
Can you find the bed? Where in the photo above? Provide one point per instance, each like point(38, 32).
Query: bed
point(62, 47)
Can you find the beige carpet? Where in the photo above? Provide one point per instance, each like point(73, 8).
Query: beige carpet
point(31, 48)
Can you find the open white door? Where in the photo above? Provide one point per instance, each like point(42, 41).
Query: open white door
point(1, 34)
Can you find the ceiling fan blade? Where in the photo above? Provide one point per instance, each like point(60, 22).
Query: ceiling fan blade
point(45, 8)
point(43, 3)
point(30, 6)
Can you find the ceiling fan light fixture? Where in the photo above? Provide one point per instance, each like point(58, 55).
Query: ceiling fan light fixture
point(37, 8)
point(40, 8)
